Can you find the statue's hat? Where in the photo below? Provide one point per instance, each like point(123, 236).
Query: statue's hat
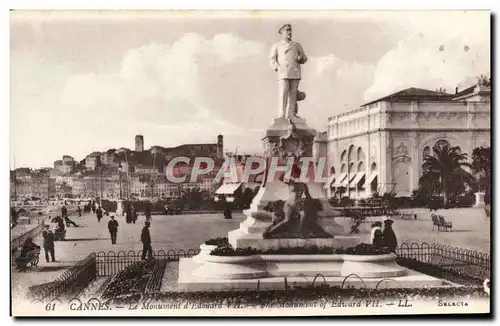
point(286, 26)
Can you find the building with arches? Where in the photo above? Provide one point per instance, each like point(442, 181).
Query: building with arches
point(380, 146)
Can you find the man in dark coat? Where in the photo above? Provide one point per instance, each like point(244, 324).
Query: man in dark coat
point(64, 211)
point(113, 229)
point(389, 236)
point(129, 212)
point(134, 213)
point(48, 243)
point(98, 213)
point(92, 205)
point(146, 242)
point(376, 235)
point(29, 248)
point(79, 211)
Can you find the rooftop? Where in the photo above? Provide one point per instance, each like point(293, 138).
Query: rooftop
point(415, 94)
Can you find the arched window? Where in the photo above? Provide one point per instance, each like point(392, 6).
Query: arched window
point(343, 156)
point(373, 167)
point(351, 167)
point(343, 168)
point(360, 154)
point(351, 153)
point(361, 167)
point(426, 152)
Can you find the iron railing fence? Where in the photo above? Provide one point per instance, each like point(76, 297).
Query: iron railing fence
point(453, 263)
point(111, 263)
point(69, 283)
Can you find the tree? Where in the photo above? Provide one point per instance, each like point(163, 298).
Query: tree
point(481, 164)
point(484, 80)
point(340, 191)
point(243, 199)
point(444, 170)
point(192, 198)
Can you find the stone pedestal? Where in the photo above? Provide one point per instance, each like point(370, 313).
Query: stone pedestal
point(267, 272)
point(479, 199)
point(120, 208)
point(284, 139)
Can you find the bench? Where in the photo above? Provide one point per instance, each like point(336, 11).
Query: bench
point(440, 222)
point(444, 224)
point(403, 216)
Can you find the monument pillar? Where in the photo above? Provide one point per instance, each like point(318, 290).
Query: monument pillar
point(479, 199)
point(287, 138)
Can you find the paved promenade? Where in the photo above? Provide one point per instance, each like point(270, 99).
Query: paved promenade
point(471, 230)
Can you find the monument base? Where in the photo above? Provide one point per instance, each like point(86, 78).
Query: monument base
point(238, 239)
point(479, 199)
point(218, 273)
point(251, 231)
point(120, 209)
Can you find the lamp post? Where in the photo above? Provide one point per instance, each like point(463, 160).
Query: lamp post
point(120, 178)
point(348, 176)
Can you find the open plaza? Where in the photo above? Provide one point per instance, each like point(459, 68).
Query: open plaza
point(175, 232)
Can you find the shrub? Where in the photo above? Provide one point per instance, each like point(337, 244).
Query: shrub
point(346, 201)
point(217, 241)
point(129, 282)
point(361, 249)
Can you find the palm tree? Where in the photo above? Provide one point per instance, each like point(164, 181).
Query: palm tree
point(481, 162)
point(445, 168)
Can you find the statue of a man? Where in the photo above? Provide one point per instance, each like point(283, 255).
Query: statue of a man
point(285, 58)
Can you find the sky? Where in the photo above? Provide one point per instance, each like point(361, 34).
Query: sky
point(90, 81)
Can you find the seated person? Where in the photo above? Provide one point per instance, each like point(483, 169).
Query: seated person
point(29, 248)
point(60, 227)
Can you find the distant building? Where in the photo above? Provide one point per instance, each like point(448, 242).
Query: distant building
point(108, 158)
point(93, 160)
point(380, 146)
point(140, 168)
point(139, 143)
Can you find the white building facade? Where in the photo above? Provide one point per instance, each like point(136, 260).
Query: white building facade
point(380, 146)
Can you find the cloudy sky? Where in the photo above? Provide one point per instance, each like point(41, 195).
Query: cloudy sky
point(87, 82)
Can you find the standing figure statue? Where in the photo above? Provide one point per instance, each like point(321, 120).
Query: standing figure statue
point(285, 58)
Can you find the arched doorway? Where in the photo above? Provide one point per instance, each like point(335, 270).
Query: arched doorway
point(401, 179)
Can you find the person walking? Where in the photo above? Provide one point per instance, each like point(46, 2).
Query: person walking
point(79, 211)
point(48, 243)
point(64, 211)
point(98, 213)
point(376, 238)
point(146, 242)
point(113, 229)
point(128, 213)
point(388, 235)
point(147, 212)
point(134, 213)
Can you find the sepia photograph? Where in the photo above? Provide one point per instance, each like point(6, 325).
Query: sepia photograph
point(250, 163)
